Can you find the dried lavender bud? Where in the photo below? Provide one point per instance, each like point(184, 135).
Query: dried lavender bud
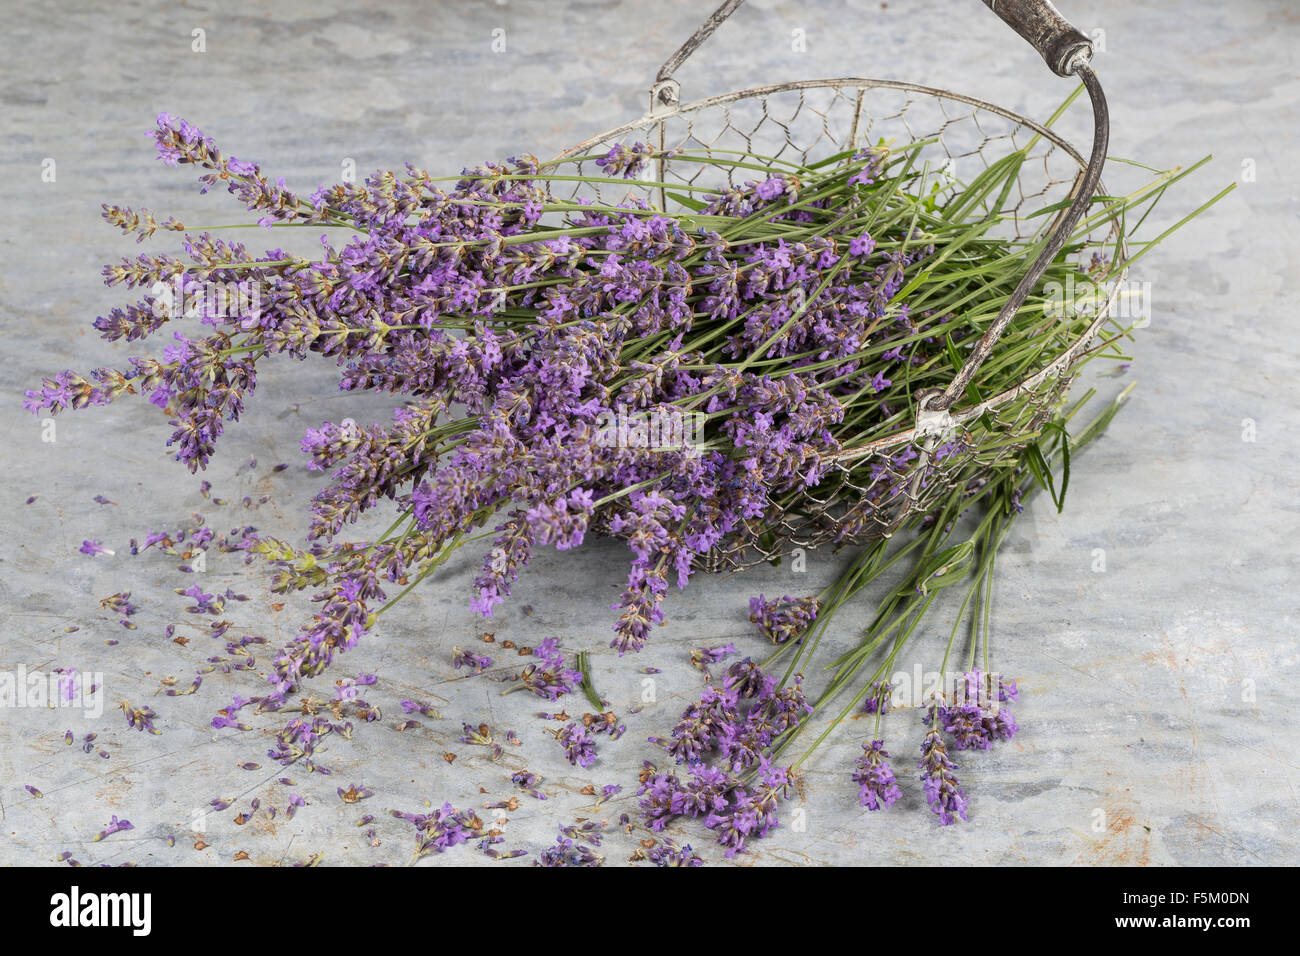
point(141, 718)
point(670, 853)
point(702, 657)
point(115, 826)
point(475, 662)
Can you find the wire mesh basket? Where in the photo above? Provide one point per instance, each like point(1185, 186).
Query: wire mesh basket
point(868, 493)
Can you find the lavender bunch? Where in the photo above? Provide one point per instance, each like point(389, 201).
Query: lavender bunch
point(678, 379)
point(768, 313)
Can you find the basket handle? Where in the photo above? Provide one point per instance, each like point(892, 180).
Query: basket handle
point(1038, 22)
point(666, 90)
point(1042, 26)
point(1067, 52)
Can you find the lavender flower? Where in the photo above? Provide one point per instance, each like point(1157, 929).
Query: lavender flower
point(942, 791)
point(553, 676)
point(784, 618)
point(877, 787)
point(579, 747)
point(627, 160)
point(670, 853)
point(702, 657)
point(442, 829)
point(140, 718)
point(475, 662)
point(114, 826)
point(355, 793)
point(977, 717)
point(569, 850)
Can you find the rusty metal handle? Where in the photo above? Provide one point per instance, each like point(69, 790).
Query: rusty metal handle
point(1057, 41)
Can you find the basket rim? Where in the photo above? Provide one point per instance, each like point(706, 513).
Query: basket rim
point(863, 83)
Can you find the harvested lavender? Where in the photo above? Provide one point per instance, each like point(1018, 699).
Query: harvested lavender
point(678, 379)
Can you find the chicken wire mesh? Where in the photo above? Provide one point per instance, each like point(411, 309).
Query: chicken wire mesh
point(869, 491)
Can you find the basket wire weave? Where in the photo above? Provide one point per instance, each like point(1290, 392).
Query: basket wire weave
point(806, 120)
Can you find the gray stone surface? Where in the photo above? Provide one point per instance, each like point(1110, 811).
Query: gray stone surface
point(1158, 707)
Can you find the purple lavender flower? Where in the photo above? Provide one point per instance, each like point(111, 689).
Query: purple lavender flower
point(140, 718)
point(770, 188)
point(552, 676)
point(747, 679)
point(784, 618)
point(879, 696)
point(703, 724)
point(421, 707)
point(751, 814)
point(570, 848)
point(977, 717)
point(529, 783)
point(872, 158)
point(579, 747)
point(863, 245)
point(670, 853)
point(877, 787)
point(627, 160)
point(355, 793)
point(114, 826)
point(702, 657)
point(464, 658)
point(942, 791)
point(442, 829)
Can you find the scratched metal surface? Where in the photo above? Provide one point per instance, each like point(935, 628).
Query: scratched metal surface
point(1158, 709)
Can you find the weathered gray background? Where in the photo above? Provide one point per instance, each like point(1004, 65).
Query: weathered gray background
point(1158, 709)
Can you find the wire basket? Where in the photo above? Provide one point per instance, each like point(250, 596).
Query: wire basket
point(868, 493)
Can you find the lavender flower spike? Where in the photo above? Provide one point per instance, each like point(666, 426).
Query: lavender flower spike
point(942, 791)
point(877, 786)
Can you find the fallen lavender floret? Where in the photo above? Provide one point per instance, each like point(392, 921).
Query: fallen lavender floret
point(702, 657)
point(670, 853)
point(579, 747)
point(464, 658)
point(480, 735)
point(140, 718)
point(442, 829)
point(114, 826)
point(569, 850)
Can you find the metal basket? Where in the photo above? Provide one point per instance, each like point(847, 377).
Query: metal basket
point(801, 120)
